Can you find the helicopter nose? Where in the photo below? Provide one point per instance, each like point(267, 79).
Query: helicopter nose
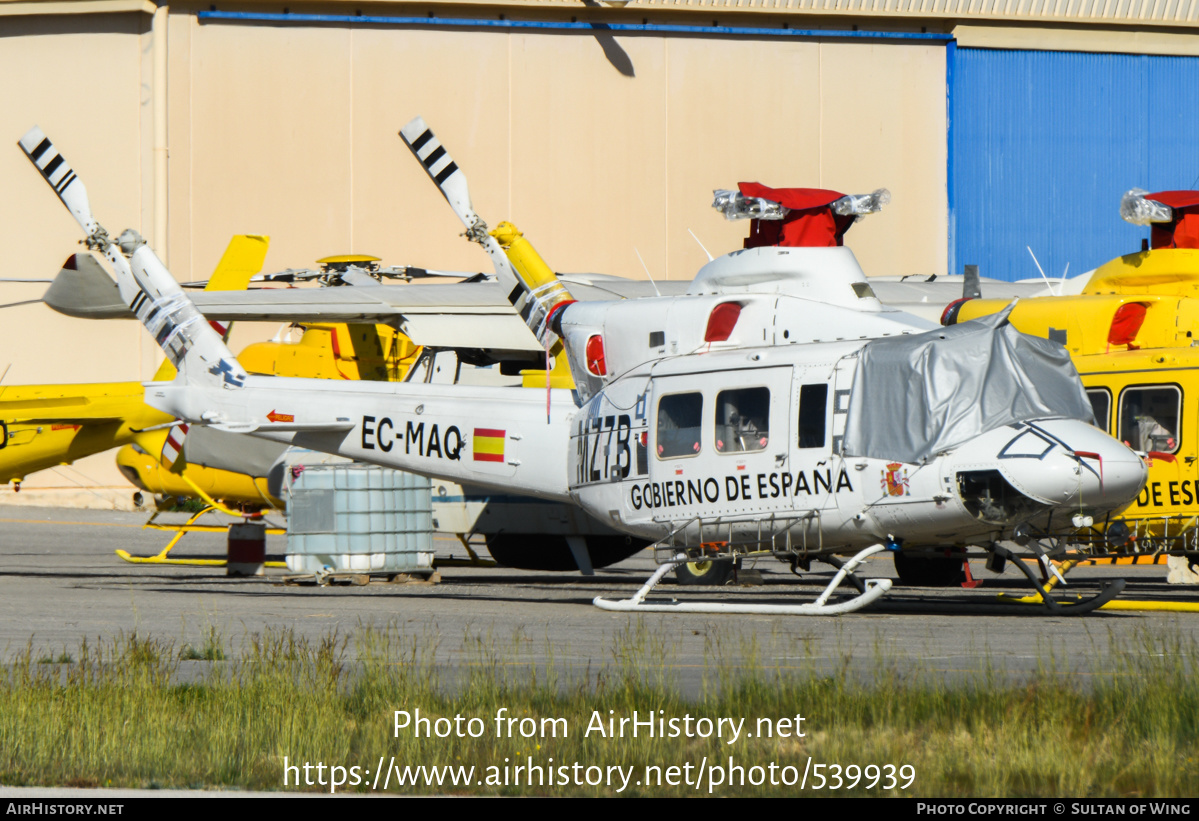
point(130, 463)
point(1069, 464)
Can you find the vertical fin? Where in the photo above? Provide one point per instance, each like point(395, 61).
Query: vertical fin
point(971, 284)
point(172, 447)
point(243, 258)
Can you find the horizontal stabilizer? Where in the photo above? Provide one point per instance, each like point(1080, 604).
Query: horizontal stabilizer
point(84, 290)
point(53, 419)
point(69, 404)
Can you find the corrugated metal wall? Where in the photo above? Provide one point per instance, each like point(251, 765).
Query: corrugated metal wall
point(1043, 144)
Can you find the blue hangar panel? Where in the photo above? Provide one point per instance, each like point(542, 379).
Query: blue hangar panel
point(1043, 144)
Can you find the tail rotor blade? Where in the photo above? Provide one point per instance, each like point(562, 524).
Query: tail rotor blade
point(442, 169)
point(450, 180)
point(61, 177)
point(534, 290)
point(144, 283)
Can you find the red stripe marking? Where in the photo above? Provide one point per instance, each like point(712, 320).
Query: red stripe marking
point(489, 432)
point(489, 457)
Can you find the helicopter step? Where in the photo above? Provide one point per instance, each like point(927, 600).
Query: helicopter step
point(735, 537)
point(873, 589)
point(715, 548)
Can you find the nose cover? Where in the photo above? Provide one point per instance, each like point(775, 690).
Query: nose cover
point(1064, 463)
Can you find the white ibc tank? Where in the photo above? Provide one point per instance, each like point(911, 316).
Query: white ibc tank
point(354, 517)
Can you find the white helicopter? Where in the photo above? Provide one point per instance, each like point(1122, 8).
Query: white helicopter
point(777, 407)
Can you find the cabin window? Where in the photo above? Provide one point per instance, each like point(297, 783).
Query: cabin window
point(742, 420)
point(680, 417)
point(1149, 418)
point(813, 405)
point(1101, 406)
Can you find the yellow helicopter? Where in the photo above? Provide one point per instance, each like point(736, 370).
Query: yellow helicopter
point(1132, 333)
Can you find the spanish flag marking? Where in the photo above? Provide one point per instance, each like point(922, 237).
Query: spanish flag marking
point(489, 445)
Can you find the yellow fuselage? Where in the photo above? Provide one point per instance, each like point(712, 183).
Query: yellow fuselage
point(61, 423)
point(1144, 390)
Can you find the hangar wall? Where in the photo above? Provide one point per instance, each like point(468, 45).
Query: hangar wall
point(81, 76)
point(1042, 145)
point(592, 148)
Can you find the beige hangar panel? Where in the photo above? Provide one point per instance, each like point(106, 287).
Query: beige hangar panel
point(80, 78)
point(883, 125)
point(738, 111)
point(597, 147)
point(458, 81)
point(850, 116)
point(293, 133)
point(270, 141)
point(588, 150)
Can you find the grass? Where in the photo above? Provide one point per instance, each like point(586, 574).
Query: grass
point(179, 504)
point(213, 648)
point(122, 714)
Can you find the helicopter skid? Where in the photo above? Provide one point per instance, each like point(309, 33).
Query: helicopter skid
point(874, 589)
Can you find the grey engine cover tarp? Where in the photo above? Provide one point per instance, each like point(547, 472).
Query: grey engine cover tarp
point(916, 396)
